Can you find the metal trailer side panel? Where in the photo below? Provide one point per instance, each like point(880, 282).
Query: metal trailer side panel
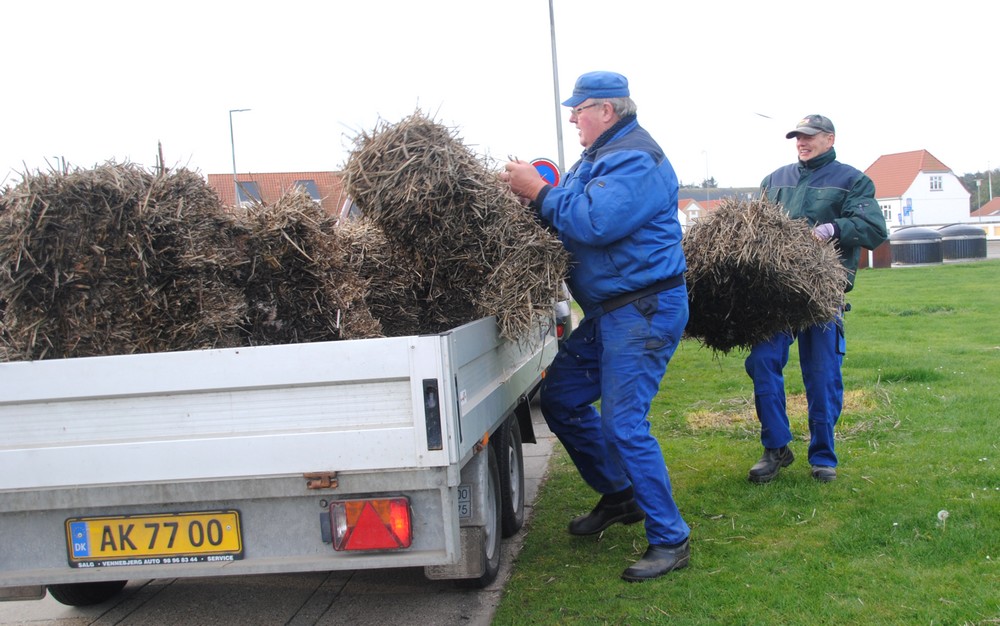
point(492, 375)
point(228, 413)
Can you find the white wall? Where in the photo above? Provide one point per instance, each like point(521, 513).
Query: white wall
point(946, 205)
point(892, 210)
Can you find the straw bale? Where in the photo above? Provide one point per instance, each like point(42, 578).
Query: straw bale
point(754, 272)
point(470, 248)
point(301, 286)
point(116, 260)
point(389, 274)
point(398, 296)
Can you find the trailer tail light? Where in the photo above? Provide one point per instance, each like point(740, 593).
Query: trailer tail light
point(564, 319)
point(378, 524)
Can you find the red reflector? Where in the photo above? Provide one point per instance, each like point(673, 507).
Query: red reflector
point(382, 524)
point(560, 330)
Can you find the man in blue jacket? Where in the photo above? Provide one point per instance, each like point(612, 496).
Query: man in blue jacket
point(839, 202)
point(616, 213)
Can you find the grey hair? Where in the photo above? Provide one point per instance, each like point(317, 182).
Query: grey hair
point(623, 107)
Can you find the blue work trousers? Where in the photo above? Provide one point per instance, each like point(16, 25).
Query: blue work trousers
point(619, 358)
point(821, 355)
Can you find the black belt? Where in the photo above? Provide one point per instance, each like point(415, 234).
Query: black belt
point(626, 298)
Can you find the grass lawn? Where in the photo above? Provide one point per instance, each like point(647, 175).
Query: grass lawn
point(909, 533)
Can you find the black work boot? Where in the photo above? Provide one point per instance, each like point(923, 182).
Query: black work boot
point(767, 467)
point(824, 473)
point(613, 508)
point(657, 561)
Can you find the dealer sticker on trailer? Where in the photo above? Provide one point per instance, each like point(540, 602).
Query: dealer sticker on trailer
point(165, 539)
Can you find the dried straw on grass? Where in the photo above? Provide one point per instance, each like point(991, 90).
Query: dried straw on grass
point(301, 286)
point(115, 260)
point(471, 248)
point(754, 272)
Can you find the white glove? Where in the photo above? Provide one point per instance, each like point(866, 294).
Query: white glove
point(823, 232)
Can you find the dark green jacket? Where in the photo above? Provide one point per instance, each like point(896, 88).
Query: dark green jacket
point(823, 190)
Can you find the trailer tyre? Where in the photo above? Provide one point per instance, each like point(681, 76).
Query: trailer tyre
point(491, 537)
point(86, 594)
point(511, 456)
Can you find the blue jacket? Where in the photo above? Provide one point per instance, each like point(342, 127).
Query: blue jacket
point(823, 190)
point(616, 214)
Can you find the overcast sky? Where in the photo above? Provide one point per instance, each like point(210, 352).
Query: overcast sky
point(717, 83)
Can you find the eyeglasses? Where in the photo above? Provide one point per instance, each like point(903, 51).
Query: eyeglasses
point(579, 110)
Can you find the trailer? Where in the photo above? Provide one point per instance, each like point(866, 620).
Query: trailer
point(343, 455)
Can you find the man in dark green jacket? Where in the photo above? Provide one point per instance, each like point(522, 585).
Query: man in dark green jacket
point(839, 202)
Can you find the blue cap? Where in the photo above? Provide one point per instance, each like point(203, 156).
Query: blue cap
point(598, 85)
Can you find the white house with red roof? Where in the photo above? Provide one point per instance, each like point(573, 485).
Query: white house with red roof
point(990, 210)
point(690, 209)
point(987, 217)
point(915, 188)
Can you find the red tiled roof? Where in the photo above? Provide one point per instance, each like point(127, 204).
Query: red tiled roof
point(990, 209)
point(894, 173)
point(710, 205)
point(273, 185)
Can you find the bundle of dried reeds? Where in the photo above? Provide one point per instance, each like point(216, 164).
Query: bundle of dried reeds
point(116, 260)
point(472, 249)
point(301, 286)
point(754, 272)
point(389, 274)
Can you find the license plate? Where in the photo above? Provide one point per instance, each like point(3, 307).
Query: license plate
point(124, 540)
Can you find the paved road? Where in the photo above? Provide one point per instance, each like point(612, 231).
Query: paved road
point(364, 596)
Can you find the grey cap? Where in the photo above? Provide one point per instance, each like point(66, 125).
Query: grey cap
point(812, 125)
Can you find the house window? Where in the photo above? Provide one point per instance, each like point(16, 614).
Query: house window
point(887, 212)
point(936, 183)
point(248, 192)
point(309, 186)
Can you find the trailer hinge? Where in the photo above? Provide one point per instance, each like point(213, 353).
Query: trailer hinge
point(321, 480)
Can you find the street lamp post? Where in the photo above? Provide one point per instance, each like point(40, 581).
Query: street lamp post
point(232, 144)
point(707, 192)
point(555, 87)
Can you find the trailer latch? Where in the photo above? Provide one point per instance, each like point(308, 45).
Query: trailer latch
point(321, 480)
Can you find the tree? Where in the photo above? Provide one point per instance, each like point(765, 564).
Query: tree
point(709, 183)
point(980, 186)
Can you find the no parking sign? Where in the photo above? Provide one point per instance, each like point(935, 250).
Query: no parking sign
point(548, 170)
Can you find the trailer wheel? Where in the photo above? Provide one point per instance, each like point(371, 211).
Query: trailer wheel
point(491, 534)
point(86, 594)
point(511, 455)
